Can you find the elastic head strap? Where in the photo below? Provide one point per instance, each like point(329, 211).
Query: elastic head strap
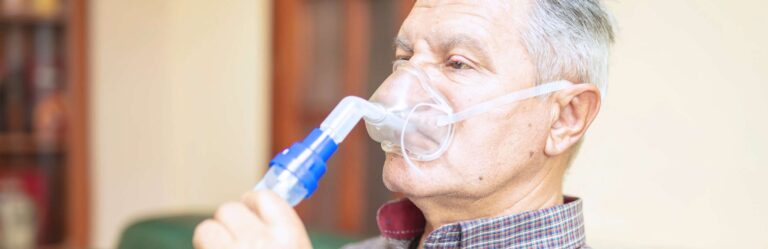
point(505, 100)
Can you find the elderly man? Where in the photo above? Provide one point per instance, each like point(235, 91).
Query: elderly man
point(499, 183)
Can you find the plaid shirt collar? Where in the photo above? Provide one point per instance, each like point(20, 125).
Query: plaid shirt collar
point(560, 226)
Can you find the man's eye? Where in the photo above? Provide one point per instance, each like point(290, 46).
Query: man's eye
point(402, 58)
point(457, 63)
point(399, 61)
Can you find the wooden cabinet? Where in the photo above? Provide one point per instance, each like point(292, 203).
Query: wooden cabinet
point(44, 113)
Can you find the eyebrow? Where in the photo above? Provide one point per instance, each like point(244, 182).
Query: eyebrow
point(456, 41)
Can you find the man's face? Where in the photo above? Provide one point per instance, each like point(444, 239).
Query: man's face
point(472, 52)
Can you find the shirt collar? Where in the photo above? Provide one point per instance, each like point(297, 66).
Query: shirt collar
point(560, 226)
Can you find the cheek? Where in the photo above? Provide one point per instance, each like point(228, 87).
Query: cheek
point(498, 141)
point(525, 130)
point(478, 146)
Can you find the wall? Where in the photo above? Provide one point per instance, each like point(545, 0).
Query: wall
point(677, 157)
point(179, 101)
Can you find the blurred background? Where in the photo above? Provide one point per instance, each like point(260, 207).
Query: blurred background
point(124, 123)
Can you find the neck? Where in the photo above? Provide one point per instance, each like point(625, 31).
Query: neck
point(535, 190)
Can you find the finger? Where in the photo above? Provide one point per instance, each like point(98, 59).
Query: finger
point(212, 235)
point(271, 209)
point(240, 221)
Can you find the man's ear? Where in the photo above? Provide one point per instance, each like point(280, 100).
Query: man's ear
point(574, 110)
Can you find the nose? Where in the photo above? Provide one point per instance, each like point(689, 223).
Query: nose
point(403, 89)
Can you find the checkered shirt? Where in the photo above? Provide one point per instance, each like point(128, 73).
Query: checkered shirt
point(401, 225)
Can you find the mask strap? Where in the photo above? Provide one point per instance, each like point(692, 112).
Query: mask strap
point(505, 100)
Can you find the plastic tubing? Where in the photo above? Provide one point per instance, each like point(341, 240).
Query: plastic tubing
point(349, 111)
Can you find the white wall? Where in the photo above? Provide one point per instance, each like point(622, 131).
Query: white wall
point(179, 101)
point(678, 157)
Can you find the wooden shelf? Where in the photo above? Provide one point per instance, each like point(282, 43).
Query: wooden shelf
point(26, 144)
point(31, 19)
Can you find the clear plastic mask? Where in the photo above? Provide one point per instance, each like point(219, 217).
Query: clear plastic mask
point(419, 124)
point(414, 108)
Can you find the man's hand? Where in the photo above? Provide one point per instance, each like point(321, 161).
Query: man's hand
point(261, 220)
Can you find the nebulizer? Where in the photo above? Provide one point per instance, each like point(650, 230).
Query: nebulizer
point(407, 115)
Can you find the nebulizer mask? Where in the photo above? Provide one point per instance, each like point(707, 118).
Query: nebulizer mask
point(425, 117)
point(406, 114)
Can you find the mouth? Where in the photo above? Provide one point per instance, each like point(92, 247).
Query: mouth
point(398, 159)
point(417, 147)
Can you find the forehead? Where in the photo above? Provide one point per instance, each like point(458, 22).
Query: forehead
point(492, 21)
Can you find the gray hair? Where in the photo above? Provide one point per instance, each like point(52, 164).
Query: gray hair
point(569, 39)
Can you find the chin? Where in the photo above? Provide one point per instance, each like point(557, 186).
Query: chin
point(401, 178)
point(398, 176)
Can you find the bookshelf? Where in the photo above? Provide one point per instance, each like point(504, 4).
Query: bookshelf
point(43, 115)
